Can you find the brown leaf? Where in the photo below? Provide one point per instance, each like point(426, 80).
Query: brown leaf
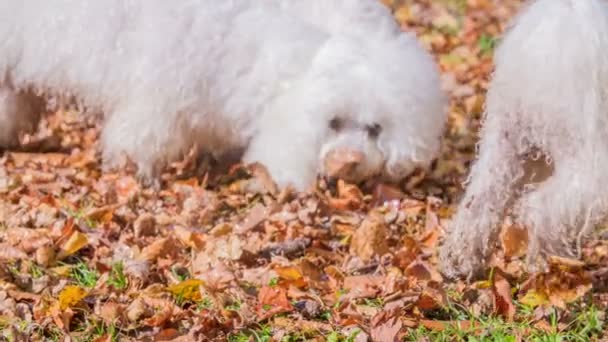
point(384, 193)
point(431, 298)
point(155, 250)
point(167, 335)
point(110, 311)
point(430, 239)
point(423, 271)
point(261, 182)
point(54, 159)
point(514, 240)
point(162, 310)
point(443, 325)
point(76, 242)
point(349, 197)
point(387, 330)
point(145, 225)
point(256, 215)
point(291, 276)
point(102, 214)
point(10, 253)
point(126, 188)
point(363, 286)
point(503, 301)
point(25, 238)
point(20, 295)
point(136, 310)
point(190, 237)
point(370, 239)
point(408, 254)
point(565, 263)
point(272, 301)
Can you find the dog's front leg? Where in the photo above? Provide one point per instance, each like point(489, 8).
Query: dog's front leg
point(476, 225)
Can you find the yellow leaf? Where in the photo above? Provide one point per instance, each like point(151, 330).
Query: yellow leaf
point(76, 241)
point(187, 290)
point(534, 299)
point(483, 284)
point(291, 276)
point(288, 273)
point(70, 296)
point(61, 271)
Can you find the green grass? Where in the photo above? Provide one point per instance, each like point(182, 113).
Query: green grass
point(273, 282)
point(234, 306)
point(334, 336)
point(374, 302)
point(264, 334)
point(205, 304)
point(96, 330)
point(80, 214)
point(588, 325)
point(118, 279)
point(261, 334)
point(486, 44)
point(35, 270)
point(84, 276)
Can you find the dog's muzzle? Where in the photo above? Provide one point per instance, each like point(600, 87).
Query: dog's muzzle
point(342, 163)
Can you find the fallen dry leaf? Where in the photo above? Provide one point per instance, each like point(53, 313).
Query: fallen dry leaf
point(370, 239)
point(503, 298)
point(387, 331)
point(275, 263)
point(514, 241)
point(187, 290)
point(8, 253)
point(71, 296)
point(76, 241)
point(157, 249)
point(349, 197)
point(272, 301)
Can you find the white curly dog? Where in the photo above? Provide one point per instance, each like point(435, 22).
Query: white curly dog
point(543, 157)
point(305, 87)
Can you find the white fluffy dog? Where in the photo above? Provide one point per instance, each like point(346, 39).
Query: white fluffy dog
point(547, 102)
point(303, 86)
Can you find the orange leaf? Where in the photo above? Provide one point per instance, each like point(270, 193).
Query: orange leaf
point(349, 197)
point(163, 311)
point(272, 301)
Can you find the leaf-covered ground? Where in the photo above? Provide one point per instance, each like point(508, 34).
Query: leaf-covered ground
point(222, 256)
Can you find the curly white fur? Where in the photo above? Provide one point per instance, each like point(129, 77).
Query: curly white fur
point(548, 95)
point(287, 80)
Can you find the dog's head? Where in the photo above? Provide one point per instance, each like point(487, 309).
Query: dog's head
point(383, 112)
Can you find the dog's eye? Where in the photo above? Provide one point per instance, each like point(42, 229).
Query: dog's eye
point(374, 130)
point(336, 124)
